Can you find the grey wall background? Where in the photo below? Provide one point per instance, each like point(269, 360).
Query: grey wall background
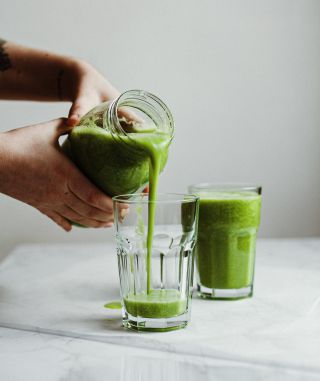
point(242, 79)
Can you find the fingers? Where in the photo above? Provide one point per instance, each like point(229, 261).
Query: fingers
point(58, 219)
point(64, 215)
point(72, 215)
point(55, 128)
point(129, 114)
point(83, 189)
point(61, 127)
point(79, 108)
point(88, 211)
point(88, 201)
point(123, 213)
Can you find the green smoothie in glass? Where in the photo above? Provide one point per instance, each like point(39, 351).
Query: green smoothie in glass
point(156, 295)
point(229, 218)
point(157, 304)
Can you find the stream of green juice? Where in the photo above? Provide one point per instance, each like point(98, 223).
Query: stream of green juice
point(156, 147)
point(122, 164)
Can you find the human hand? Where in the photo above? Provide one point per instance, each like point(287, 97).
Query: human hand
point(89, 88)
point(34, 170)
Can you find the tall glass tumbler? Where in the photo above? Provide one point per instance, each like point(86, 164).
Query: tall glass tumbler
point(229, 218)
point(156, 274)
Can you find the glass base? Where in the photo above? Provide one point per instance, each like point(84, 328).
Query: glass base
point(155, 325)
point(225, 294)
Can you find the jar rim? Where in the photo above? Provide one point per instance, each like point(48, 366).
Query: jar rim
point(139, 97)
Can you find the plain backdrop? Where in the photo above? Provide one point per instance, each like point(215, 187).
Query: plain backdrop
point(241, 77)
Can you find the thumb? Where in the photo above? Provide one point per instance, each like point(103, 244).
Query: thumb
point(58, 127)
point(79, 108)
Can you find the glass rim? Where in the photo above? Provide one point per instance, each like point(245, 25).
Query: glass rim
point(226, 187)
point(140, 198)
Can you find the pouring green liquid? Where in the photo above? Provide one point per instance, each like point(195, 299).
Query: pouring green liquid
point(121, 164)
point(121, 156)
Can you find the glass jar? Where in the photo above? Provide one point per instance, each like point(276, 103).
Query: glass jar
point(114, 142)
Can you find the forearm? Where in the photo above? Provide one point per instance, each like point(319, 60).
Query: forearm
point(31, 74)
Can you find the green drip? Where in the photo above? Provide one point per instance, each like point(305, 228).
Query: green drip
point(113, 306)
point(121, 164)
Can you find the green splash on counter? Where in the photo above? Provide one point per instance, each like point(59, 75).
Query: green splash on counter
point(113, 306)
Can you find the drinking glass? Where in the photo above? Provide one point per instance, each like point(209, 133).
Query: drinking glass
point(229, 217)
point(155, 245)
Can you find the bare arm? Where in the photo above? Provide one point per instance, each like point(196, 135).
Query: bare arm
point(32, 167)
point(32, 74)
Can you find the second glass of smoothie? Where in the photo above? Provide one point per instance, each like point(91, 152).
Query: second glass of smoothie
point(229, 218)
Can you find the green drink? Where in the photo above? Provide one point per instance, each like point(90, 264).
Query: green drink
point(122, 145)
point(229, 218)
point(118, 155)
point(156, 281)
point(157, 304)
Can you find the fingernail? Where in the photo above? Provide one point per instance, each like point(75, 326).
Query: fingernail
point(124, 212)
point(124, 206)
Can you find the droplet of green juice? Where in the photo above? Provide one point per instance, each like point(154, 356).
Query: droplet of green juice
point(113, 306)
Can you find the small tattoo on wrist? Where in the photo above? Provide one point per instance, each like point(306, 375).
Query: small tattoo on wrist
point(59, 84)
point(5, 62)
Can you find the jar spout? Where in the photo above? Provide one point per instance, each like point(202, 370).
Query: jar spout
point(137, 111)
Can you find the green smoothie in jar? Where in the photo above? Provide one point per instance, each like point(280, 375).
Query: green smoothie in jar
point(122, 146)
point(121, 143)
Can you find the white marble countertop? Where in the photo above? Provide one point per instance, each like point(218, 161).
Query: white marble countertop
point(53, 325)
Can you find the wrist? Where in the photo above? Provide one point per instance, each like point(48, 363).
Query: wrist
point(3, 153)
point(2, 142)
point(70, 76)
point(79, 68)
